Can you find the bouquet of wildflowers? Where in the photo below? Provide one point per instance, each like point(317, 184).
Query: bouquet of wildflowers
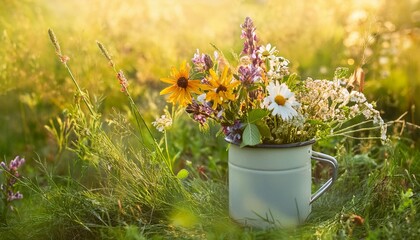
point(257, 100)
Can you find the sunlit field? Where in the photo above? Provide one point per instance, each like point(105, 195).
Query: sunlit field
point(95, 166)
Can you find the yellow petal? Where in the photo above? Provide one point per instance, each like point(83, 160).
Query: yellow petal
point(174, 96)
point(184, 98)
point(224, 80)
point(184, 69)
point(174, 71)
point(168, 90)
point(168, 80)
point(194, 86)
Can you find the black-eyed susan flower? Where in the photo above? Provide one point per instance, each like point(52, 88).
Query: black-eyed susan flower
point(221, 88)
point(182, 86)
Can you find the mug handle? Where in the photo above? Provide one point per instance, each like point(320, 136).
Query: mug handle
point(333, 162)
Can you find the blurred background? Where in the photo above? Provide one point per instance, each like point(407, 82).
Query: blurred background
point(147, 37)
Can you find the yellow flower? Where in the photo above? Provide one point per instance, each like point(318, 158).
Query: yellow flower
point(182, 86)
point(221, 88)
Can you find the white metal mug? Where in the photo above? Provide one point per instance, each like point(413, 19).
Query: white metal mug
point(270, 185)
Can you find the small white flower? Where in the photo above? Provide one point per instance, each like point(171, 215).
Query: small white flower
point(354, 110)
point(383, 132)
point(216, 55)
point(281, 101)
point(267, 52)
point(220, 114)
point(367, 113)
point(357, 97)
point(162, 123)
point(277, 67)
point(201, 98)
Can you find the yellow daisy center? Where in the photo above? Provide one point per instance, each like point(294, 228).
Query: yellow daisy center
point(182, 82)
point(221, 88)
point(280, 100)
point(266, 53)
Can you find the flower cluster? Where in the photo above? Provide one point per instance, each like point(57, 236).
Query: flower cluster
point(257, 99)
point(163, 122)
point(11, 177)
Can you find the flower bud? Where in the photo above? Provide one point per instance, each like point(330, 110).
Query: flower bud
point(209, 63)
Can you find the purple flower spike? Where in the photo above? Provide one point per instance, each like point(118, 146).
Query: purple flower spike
point(248, 33)
point(198, 61)
point(8, 188)
point(16, 163)
point(249, 74)
point(14, 196)
point(200, 111)
point(250, 43)
point(234, 132)
point(202, 62)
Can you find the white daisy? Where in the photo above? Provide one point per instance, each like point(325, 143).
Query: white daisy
point(267, 52)
point(281, 101)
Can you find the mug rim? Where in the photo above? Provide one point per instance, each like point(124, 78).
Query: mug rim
point(268, 145)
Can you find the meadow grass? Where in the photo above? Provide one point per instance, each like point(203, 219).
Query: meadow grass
point(126, 191)
point(91, 175)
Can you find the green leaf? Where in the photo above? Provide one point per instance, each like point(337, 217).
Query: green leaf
point(264, 129)
point(341, 72)
point(256, 115)
point(252, 87)
point(251, 135)
point(182, 174)
point(236, 76)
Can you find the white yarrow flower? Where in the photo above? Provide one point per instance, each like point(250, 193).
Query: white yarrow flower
point(281, 101)
point(162, 123)
point(383, 132)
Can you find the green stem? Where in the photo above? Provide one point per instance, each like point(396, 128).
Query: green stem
point(275, 122)
point(133, 107)
point(169, 162)
point(139, 115)
point(79, 90)
point(136, 111)
point(357, 130)
point(352, 126)
point(357, 138)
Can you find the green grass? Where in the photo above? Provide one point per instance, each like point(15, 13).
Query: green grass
point(90, 177)
point(138, 197)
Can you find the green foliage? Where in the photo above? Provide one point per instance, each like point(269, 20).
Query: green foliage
point(254, 127)
point(88, 176)
point(251, 135)
point(256, 115)
point(341, 73)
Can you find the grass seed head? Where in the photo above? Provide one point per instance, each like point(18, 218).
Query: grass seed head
point(55, 42)
point(105, 53)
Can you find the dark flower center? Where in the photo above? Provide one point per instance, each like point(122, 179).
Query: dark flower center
point(221, 88)
point(182, 82)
